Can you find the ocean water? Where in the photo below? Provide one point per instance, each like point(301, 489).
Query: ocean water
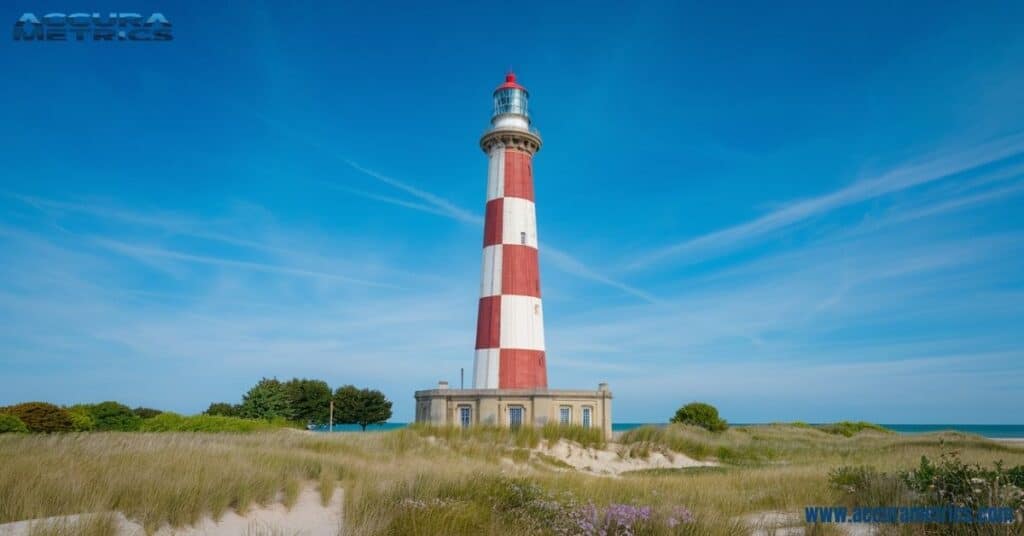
point(1002, 431)
point(984, 430)
point(356, 428)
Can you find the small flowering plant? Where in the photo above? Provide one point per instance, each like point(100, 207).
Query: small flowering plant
point(525, 504)
point(620, 520)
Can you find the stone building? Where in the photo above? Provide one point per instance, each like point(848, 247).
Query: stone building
point(515, 407)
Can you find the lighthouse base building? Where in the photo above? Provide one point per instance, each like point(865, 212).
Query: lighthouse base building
point(510, 381)
point(515, 407)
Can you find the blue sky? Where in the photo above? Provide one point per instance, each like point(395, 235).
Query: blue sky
point(796, 211)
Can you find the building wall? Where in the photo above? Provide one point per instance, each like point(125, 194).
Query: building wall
point(440, 407)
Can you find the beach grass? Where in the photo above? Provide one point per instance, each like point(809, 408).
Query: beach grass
point(431, 481)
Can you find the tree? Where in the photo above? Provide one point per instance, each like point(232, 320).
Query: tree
point(361, 406)
point(223, 409)
point(114, 416)
point(346, 404)
point(700, 414)
point(266, 400)
point(310, 400)
point(41, 416)
point(11, 424)
point(146, 413)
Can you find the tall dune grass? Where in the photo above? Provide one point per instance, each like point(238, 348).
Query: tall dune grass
point(422, 481)
point(789, 444)
point(156, 479)
point(525, 436)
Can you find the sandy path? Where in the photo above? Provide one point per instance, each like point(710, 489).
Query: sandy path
point(306, 518)
point(775, 523)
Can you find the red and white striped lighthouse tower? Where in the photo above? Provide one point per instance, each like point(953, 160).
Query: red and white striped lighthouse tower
point(510, 322)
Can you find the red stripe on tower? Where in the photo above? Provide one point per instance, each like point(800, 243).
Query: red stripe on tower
point(493, 222)
point(510, 320)
point(520, 273)
point(488, 327)
point(522, 369)
point(519, 174)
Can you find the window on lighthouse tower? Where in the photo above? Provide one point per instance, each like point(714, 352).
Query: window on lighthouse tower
point(522, 237)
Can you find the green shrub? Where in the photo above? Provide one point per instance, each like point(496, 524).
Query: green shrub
point(11, 424)
point(866, 486)
point(700, 414)
point(173, 422)
point(167, 421)
point(41, 417)
point(114, 416)
point(849, 428)
point(81, 418)
point(951, 481)
point(223, 409)
point(146, 413)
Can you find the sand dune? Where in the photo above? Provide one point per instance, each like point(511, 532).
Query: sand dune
point(308, 517)
point(608, 461)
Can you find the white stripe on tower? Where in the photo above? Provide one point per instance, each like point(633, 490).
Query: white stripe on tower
point(496, 173)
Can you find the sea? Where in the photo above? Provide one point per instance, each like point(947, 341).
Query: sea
point(995, 431)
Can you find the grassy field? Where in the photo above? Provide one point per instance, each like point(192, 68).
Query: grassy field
point(422, 481)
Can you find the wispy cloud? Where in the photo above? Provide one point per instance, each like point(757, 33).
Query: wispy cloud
point(435, 204)
point(957, 204)
point(387, 199)
point(902, 178)
point(781, 326)
point(560, 259)
point(768, 329)
point(67, 302)
point(570, 265)
point(445, 206)
point(142, 251)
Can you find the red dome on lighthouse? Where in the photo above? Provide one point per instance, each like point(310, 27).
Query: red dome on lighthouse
point(510, 82)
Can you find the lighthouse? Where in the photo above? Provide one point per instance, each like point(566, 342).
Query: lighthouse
point(510, 319)
point(510, 378)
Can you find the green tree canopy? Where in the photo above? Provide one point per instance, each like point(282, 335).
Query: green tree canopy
point(223, 409)
point(267, 400)
point(309, 399)
point(361, 406)
point(700, 414)
point(114, 416)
